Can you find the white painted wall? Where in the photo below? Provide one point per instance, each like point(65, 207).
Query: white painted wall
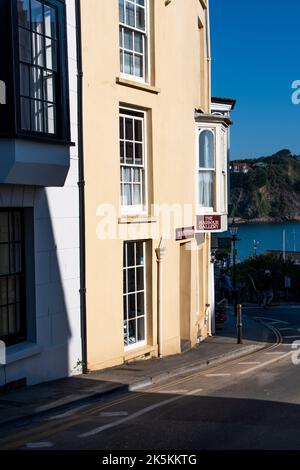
point(57, 349)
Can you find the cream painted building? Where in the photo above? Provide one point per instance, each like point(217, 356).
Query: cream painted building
point(155, 163)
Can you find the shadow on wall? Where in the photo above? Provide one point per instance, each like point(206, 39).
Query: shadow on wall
point(50, 306)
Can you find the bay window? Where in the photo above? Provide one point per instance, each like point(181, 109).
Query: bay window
point(133, 38)
point(206, 169)
point(42, 83)
point(132, 161)
point(38, 65)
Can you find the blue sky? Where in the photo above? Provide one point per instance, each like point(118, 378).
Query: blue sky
point(255, 59)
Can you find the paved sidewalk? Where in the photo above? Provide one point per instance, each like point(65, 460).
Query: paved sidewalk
point(32, 402)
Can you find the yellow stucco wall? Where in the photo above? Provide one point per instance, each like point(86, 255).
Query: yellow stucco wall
point(180, 83)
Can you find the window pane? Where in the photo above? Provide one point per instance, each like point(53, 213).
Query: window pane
point(139, 154)
point(139, 254)
point(50, 118)
point(130, 14)
point(121, 11)
point(36, 83)
point(25, 114)
point(24, 13)
point(125, 307)
point(4, 234)
point(50, 21)
point(121, 128)
point(125, 175)
point(131, 306)
point(126, 335)
point(24, 45)
point(121, 61)
point(4, 259)
point(37, 116)
point(16, 256)
point(129, 152)
point(130, 254)
point(12, 261)
point(124, 281)
point(140, 2)
point(3, 291)
point(132, 332)
point(138, 131)
point(128, 39)
point(206, 150)
point(121, 37)
point(137, 197)
point(129, 129)
point(138, 42)
point(128, 63)
point(51, 54)
point(126, 195)
point(11, 289)
point(49, 84)
point(37, 49)
point(140, 304)
point(140, 278)
point(122, 151)
point(141, 329)
point(137, 175)
point(206, 188)
point(131, 280)
point(140, 18)
point(37, 22)
point(24, 80)
point(17, 287)
point(3, 321)
point(12, 319)
point(138, 66)
point(17, 226)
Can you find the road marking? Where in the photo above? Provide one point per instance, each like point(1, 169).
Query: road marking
point(275, 352)
point(134, 415)
point(273, 320)
point(248, 363)
point(195, 392)
point(112, 414)
point(286, 328)
point(217, 375)
point(173, 392)
point(39, 445)
point(265, 363)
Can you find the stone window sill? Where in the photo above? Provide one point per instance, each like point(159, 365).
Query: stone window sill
point(138, 85)
point(137, 219)
point(21, 351)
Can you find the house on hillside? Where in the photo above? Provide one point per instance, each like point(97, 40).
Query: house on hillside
point(240, 167)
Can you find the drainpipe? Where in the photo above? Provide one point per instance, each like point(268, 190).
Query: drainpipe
point(160, 253)
point(81, 186)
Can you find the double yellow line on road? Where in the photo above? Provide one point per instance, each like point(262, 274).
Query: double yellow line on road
point(40, 432)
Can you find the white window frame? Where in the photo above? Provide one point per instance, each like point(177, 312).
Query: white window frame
point(141, 343)
point(134, 209)
point(145, 33)
point(204, 209)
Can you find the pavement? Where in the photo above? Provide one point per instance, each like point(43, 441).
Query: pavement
point(27, 404)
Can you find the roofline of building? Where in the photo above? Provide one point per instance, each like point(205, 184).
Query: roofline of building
point(220, 100)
